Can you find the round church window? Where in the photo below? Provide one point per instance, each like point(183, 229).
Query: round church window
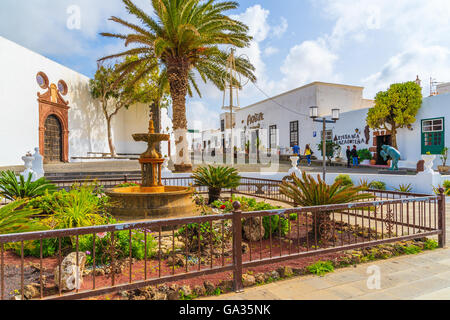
point(42, 80)
point(62, 87)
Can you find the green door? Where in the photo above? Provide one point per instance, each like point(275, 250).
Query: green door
point(433, 135)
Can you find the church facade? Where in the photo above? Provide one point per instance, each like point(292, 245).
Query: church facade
point(44, 104)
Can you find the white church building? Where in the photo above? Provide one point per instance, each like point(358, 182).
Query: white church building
point(44, 104)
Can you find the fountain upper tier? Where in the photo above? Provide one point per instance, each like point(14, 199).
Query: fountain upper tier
point(152, 199)
point(152, 140)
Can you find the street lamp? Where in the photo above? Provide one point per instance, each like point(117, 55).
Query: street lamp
point(314, 114)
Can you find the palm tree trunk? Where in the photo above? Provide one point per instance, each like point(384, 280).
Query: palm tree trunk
point(177, 72)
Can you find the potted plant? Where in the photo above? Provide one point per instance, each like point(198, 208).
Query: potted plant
point(216, 179)
point(365, 156)
point(444, 156)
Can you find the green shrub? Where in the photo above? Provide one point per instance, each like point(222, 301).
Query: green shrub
point(344, 179)
point(321, 268)
point(12, 189)
point(430, 244)
point(121, 247)
point(364, 154)
point(404, 188)
point(412, 249)
point(127, 184)
point(250, 205)
point(377, 185)
point(191, 233)
point(49, 201)
point(83, 206)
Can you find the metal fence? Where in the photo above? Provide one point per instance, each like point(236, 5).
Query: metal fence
point(217, 246)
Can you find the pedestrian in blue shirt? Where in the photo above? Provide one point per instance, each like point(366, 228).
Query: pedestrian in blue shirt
point(296, 150)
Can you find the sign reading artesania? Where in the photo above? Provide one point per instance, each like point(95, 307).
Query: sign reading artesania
point(349, 139)
point(255, 118)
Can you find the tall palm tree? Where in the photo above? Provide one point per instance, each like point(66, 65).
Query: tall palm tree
point(188, 37)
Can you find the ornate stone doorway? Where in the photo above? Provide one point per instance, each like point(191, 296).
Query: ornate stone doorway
point(53, 140)
point(53, 120)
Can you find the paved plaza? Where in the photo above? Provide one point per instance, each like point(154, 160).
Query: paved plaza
point(425, 276)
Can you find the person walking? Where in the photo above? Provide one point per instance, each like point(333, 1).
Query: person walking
point(296, 150)
point(349, 156)
point(308, 154)
point(355, 156)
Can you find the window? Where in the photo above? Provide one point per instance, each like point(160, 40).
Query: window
point(222, 125)
point(273, 143)
point(433, 135)
point(293, 129)
point(328, 135)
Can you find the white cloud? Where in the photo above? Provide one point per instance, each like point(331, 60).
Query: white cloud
point(270, 51)
point(200, 117)
point(310, 61)
point(422, 61)
point(42, 25)
point(281, 29)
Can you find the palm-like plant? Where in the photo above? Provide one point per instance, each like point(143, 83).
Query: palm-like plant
point(216, 179)
point(13, 189)
point(307, 192)
point(16, 218)
point(186, 36)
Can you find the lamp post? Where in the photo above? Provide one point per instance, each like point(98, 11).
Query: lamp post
point(335, 115)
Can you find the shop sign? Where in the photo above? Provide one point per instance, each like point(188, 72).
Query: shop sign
point(349, 139)
point(255, 118)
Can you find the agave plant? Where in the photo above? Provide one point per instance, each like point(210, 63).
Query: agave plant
point(16, 218)
point(216, 179)
point(81, 207)
point(307, 192)
point(404, 188)
point(364, 183)
point(13, 189)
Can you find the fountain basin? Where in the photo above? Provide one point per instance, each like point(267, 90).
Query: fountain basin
point(160, 202)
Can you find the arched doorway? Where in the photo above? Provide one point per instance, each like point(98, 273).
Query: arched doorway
point(53, 120)
point(53, 140)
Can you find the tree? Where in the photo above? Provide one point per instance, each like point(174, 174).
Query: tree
point(116, 92)
point(395, 108)
point(186, 36)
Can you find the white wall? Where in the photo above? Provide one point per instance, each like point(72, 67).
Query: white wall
point(19, 109)
point(297, 105)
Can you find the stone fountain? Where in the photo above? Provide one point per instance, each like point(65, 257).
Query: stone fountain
point(151, 200)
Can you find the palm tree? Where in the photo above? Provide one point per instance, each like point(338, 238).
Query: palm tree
point(188, 37)
point(307, 192)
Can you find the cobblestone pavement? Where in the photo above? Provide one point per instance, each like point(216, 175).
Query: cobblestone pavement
point(425, 276)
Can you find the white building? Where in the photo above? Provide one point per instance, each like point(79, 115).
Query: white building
point(45, 104)
point(427, 134)
point(283, 121)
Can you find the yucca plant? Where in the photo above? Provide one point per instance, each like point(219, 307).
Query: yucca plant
point(16, 218)
point(13, 189)
point(216, 179)
point(307, 192)
point(404, 188)
point(364, 183)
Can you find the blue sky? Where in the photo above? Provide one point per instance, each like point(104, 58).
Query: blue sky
point(371, 43)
